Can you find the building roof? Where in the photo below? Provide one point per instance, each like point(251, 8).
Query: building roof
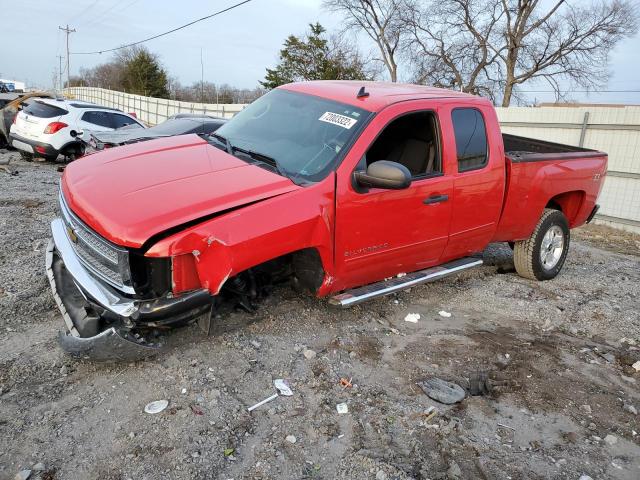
point(381, 94)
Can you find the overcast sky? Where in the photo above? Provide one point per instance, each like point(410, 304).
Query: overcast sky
point(236, 46)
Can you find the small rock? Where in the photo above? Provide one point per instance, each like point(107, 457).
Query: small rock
point(256, 344)
point(309, 354)
point(353, 354)
point(291, 439)
point(592, 426)
point(444, 314)
point(63, 370)
point(636, 366)
point(454, 471)
point(585, 477)
point(381, 475)
point(412, 317)
point(39, 467)
point(22, 475)
point(610, 440)
point(630, 408)
point(573, 330)
point(586, 409)
point(442, 391)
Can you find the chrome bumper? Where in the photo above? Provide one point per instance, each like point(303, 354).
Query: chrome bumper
point(105, 296)
point(114, 343)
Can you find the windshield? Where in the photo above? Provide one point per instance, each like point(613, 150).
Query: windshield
point(302, 133)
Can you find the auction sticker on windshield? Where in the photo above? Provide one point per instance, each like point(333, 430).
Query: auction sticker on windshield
point(337, 119)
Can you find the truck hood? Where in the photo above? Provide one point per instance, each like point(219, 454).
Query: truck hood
point(131, 193)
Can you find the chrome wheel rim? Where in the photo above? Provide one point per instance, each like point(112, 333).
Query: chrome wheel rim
point(552, 247)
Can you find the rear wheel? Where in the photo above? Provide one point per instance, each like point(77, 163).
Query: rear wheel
point(542, 255)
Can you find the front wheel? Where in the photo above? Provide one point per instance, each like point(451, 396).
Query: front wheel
point(542, 255)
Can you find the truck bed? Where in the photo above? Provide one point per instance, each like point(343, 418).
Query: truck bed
point(542, 174)
point(523, 149)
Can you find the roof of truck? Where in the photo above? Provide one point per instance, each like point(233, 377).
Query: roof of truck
point(381, 94)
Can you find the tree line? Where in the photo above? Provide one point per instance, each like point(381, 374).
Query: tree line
point(484, 47)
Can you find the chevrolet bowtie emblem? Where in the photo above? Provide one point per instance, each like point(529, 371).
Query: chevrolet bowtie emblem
point(72, 235)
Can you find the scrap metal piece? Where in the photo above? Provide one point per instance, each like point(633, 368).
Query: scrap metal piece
point(108, 345)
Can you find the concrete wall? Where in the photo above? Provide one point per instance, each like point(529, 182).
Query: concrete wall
point(615, 130)
point(148, 109)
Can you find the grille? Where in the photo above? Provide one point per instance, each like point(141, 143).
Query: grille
point(102, 258)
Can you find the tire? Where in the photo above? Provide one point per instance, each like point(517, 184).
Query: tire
point(27, 157)
point(542, 255)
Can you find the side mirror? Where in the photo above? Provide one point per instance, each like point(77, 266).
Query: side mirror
point(384, 174)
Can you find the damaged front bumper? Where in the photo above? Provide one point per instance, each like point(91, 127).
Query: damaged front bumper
point(101, 321)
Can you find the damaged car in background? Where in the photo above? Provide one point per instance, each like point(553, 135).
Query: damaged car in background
point(183, 125)
point(342, 189)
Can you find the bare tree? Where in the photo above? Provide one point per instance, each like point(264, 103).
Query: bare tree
point(493, 46)
point(380, 20)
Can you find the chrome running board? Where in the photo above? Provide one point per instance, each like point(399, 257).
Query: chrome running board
point(395, 284)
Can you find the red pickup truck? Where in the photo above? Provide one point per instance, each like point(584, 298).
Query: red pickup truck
point(344, 189)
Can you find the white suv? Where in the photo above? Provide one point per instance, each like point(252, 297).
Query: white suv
point(49, 127)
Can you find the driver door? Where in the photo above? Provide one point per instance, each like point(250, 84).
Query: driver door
point(381, 233)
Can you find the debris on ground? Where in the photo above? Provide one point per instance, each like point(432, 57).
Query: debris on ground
point(309, 354)
point(442, 391)
point(282, 388)
point(23, 475)
point(610, 440)
point(412, 318)
point(344, 383)
point(430, 413)
point(636, 366)
point(342, 408)
point(156, 407)
point(444, 314)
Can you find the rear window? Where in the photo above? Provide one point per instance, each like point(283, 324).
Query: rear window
point(44, 110)
point(471, 139)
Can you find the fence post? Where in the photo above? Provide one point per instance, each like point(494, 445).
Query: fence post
point(583, 131)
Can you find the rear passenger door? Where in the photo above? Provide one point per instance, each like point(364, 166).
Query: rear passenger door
point(478, 184)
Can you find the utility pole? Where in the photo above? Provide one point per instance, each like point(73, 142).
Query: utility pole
point(67, 31)
point(60, 57)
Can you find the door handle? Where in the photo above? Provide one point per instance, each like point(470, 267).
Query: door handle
point(435, 199)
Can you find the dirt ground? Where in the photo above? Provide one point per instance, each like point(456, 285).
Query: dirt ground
point(564, 400)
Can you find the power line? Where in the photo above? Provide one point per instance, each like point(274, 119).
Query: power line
point(164, 33)
point(98, 17)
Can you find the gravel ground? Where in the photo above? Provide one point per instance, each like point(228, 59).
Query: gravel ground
point(564, 400)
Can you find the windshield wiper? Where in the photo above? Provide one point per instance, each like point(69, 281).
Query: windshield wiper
point(225, 142)
point(272, 162)
point(261, 157)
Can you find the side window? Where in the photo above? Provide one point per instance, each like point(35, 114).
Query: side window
point(121, 120)
point(411, 140)
point(102, 119)
point(471, 139)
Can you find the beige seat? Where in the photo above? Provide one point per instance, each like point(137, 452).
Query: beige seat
point(417, 155)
